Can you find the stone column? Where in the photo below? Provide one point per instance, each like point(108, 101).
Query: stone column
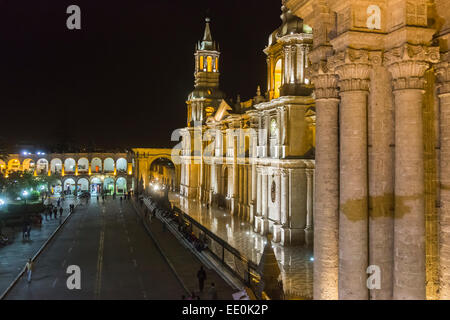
point(309, 206)
point(258, 199)
point(245, 197)
point(326, 201)
point(353, 210)
point(443, 76)
point(253, 201)
point(381, 180)
point(407, 65)
point(264, 205)
point(284, 201)
point(277, 225)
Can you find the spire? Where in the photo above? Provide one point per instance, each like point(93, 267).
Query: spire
point(207, 36)
point(207, 43)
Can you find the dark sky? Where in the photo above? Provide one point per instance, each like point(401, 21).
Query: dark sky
point(122, 80)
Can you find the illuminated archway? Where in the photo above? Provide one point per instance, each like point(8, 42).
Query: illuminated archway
point(69, 165)
point(69, 186)
point(13, 165)
point(121, 165)
point(277, 78)
point(96, 186)
point(83, 184)
point(42, 166)
point(28, 165)
point(108, 185)
point(56, 187)
point(2, 166)
point(56, 166)
point(96, 165)
point(121, 185)
point(83, 165)
point(108, 165)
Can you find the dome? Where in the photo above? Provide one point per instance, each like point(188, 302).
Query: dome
point(206, 93)
point(291, 24)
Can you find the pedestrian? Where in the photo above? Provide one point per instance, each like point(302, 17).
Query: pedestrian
point(29, 269)
point(28, 231)
point(59, 202)
point(24, 231)
point(61, 211)
point(97, 198)
point(201, 276)
point(55, 212)
point(212, 292)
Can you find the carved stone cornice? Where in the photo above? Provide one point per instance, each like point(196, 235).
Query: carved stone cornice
point(408, 64)
point(443, 74)
point(353, 68)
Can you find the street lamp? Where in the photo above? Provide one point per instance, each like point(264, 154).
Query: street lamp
point(25, 194)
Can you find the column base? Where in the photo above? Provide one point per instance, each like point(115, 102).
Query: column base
point(309, 236)
point(264, 226)
point(258, 223)
point(291, 237)
point(276, 232)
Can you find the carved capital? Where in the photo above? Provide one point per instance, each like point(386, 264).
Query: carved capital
point(325, 83)
point(353, 68)
point(443, 74)
point(408, 64)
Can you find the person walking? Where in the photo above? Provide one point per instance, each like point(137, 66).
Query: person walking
point(59, 202)
point(201, 276)
point(55, 212)
point(24, 231)
point(29, 269)
point(212, 292)
point(28, 231)
point(61, 211)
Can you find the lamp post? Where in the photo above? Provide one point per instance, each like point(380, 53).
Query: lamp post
point(25, 195)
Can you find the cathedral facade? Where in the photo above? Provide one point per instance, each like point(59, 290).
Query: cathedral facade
point(255, 158)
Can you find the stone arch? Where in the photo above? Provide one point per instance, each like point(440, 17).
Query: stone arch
point(42, 166)
point(83, 184)
point(108, 165)
point(121, 165)
point(121, 185)
point(28, 164)
point(83, 165)
point(69, 186)
point(109, 185)
point(96, 165)
point(56, 186)
point(2, 166)
point(96, 185)
point(56, 166)
point(14, 165)
point(69, 165)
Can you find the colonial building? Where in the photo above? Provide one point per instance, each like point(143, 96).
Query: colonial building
point(76, 172)
point(255, 158)
point(382, 86)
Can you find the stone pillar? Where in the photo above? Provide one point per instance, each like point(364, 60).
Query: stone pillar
point(353, 210)
point(264, 205)
point(407, 65)
point(309, 206)
point(381, 179)
point(258, 200)
point(245, 191)
point(277, 225)
point(284, 201)
point(241, 191)
point(253, 201)
point(326, 198)
point(443, 76)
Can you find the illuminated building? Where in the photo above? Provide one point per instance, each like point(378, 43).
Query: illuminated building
point(255, 158)
point(382, 86)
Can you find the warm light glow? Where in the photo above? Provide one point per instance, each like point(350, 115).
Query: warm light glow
point(277, 79)
point(201, 63)
point(209, 61)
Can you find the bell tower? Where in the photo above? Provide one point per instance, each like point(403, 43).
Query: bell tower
point(206, 97)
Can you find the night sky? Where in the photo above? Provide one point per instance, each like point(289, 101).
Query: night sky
point(122, 80)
